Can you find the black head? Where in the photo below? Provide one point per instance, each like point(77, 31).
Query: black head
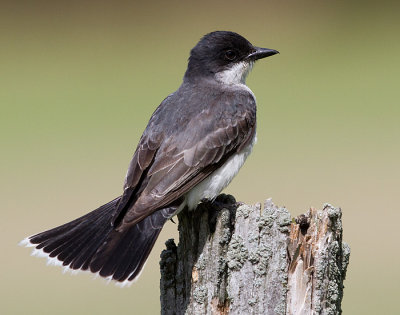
point(220, 51)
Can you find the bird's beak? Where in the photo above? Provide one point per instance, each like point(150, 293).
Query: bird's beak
point(260, 53)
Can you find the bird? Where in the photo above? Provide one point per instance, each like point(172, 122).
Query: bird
point(195, 142)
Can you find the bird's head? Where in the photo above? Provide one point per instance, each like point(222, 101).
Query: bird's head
point(224, 56)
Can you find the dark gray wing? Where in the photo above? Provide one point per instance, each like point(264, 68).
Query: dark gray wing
point(171, 160)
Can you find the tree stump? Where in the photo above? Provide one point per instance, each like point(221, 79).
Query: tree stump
point(234, 258)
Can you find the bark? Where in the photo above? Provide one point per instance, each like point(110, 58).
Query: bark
point(234, 258)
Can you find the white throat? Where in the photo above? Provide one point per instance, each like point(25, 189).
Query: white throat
point(236, 74)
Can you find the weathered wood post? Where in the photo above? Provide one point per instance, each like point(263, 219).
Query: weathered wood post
point(239, 259)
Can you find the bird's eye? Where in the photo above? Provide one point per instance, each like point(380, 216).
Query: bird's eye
point(230, 55)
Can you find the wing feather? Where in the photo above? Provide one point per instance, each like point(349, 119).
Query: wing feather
point(166, 166)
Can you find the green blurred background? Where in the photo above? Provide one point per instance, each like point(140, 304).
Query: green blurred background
point(79, 80)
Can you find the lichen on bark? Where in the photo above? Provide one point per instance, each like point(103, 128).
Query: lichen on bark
point(234, 258)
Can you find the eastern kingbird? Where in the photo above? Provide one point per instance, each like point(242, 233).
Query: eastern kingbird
point(194, 144)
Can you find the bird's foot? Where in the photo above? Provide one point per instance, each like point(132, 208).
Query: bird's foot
point(222, 201)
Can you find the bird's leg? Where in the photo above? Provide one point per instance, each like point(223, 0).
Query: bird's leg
point(214, 207)
point(224, 201)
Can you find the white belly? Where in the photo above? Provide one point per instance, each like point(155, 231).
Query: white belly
point(217, 181)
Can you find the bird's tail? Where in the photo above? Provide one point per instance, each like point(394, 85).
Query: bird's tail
point(91, 243)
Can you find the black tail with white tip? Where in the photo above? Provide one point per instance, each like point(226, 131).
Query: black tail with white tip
point(91, 243)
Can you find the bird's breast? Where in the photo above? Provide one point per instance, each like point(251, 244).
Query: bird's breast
point(219, 179)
